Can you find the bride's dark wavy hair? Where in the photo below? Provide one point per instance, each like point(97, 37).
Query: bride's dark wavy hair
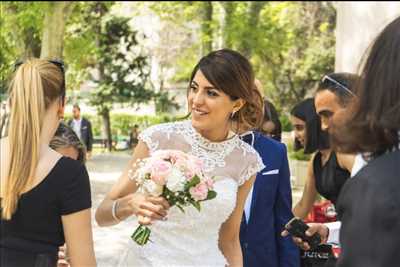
point(232, 73)
point(372, 123)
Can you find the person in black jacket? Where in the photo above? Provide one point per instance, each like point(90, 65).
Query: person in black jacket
point(368, 205)
point(83, 128)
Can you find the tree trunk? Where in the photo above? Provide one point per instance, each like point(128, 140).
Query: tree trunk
point(31, 44)
point(101, 9)
point(253, 16)
point(229, 10)
point(54, 28)
point(105, 114)
point(206, 27)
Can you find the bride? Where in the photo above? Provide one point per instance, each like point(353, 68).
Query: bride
point(221, 91)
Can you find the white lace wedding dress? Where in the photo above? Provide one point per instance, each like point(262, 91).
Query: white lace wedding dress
point(191, 238)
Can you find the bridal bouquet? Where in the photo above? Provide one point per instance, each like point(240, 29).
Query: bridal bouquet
point(176, 176)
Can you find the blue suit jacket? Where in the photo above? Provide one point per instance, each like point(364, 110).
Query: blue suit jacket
point(271, 209)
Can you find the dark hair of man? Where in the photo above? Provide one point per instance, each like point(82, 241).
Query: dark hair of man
point(77, 106)
point(342, 84)
point(372, 124)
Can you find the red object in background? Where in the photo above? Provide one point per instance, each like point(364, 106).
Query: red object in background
point(336, 251)
point(323, 211)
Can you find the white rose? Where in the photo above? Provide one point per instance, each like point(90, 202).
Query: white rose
point(152, 188)
point(175, 180)
point(140, 176)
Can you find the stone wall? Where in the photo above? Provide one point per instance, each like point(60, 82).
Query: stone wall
point(358, 23)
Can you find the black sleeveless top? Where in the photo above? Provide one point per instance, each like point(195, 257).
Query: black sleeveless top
point(35, 230)
point(330, 178)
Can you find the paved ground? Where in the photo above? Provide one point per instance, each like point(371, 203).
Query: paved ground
point(110, 242)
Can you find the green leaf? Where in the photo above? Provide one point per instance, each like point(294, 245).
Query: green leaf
point(180, 207)
point(141, 235)
point(138, 230)
point(195, 180)
point(196, 204)
point(211, 194)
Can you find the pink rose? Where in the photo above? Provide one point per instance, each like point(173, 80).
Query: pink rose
point(176, 155)
point(195, 164)
point(199, 192)
point(161, 154)
point(171, 155)
point(189, 174)
point(160, 169)
point(180, 164)
point(185, 168)
point(210, 183)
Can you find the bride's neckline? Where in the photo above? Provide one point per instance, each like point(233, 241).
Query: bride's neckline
point(206, 143)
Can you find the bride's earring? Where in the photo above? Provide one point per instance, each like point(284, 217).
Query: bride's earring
point(60, 114)
point(233, 114)
point(61, 109)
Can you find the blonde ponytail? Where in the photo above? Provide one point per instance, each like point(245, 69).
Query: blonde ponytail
point(35, 85)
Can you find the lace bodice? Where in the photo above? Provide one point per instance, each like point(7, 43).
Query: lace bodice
point(232, 158)
point(191, 238)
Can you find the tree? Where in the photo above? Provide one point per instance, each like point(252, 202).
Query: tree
point(296, 49)
point(21, 27)
point(206, 11)
point(31, 29)
point(172, 46)
point(122, 71)
point(251, 22)
point(291, 45)
point(229, 10)
point(35, 29)
point(164, 102)
point(54, 27)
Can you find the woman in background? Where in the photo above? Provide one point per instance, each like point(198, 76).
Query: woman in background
point(67, 143)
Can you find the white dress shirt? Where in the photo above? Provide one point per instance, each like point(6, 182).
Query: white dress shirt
point(247, 204)
point(76, 126)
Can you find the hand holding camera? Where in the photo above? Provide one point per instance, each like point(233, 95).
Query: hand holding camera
point(306, 236)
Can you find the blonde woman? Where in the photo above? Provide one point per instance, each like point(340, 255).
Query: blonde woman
point(45, 196)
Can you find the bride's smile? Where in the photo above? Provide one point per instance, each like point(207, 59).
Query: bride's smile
point(221, 92)
point(211, 108)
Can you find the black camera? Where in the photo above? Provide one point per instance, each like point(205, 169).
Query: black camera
point(298, 228)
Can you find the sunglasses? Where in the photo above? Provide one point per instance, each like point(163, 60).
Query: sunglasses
point(58, 62)
point(338, 84)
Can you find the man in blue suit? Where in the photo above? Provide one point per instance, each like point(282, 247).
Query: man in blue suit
point(268, 208)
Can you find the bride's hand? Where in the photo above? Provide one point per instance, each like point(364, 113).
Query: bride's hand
point(146, 208)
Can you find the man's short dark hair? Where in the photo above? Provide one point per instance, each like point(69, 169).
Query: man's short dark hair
point(77, 106)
